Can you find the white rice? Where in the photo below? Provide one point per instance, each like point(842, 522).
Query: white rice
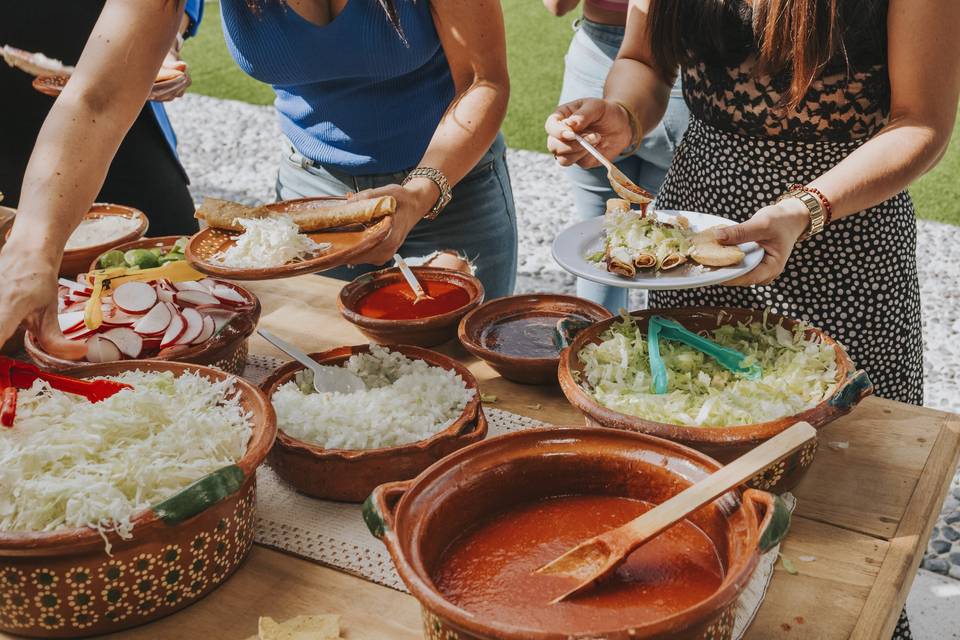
point(405, 401)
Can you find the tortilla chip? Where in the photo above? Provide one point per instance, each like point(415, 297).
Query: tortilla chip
point(320, 627)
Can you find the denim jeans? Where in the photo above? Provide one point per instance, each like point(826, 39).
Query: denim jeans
point(480, 222)
point(588, 60)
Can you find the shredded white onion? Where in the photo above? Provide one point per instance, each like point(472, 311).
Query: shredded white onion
point(272, 241)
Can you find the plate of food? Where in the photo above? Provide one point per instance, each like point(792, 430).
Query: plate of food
point(51, 75)
point(287, 238)
point(653, 249)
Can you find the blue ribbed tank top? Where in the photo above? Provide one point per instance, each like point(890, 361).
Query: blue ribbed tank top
point(350, 94)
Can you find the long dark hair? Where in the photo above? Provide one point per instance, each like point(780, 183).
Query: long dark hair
point(799, 37)
point(389, 8)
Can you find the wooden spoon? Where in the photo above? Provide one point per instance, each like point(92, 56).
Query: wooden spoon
point(624, 186)
point(599, 556)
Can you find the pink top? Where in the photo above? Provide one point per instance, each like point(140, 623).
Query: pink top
point(610, 5)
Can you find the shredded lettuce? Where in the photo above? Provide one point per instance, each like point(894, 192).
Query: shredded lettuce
point(798, 373)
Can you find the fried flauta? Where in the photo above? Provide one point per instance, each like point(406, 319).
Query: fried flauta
point(672, 261)
point(329, 214)
point(619, 261)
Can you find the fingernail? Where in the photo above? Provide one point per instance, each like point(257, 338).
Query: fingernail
point(721, 234)
point(567, 135)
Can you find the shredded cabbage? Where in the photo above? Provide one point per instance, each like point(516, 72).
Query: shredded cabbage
point(405, 401)
point(69, 463)
point(628, 233)
point(268, 242)
point(797, 374)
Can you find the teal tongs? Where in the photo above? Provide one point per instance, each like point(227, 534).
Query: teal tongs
point(730, 359)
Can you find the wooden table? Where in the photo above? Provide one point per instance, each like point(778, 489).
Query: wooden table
point(864, 512)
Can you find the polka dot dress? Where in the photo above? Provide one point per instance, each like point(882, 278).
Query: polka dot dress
point(857, 280)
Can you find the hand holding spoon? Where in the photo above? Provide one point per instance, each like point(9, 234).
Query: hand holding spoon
point(411, 280)
point(599, 556)
point(624, 186)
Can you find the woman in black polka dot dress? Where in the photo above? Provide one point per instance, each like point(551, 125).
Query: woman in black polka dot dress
point(842, 98)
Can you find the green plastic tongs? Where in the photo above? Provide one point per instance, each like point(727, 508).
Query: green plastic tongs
point(729, 359)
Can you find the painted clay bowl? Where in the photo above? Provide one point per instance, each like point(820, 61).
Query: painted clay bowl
point(475, 330)
point(419, 519)
point(350, 475)
point(76, 261)
point(62, 584)
point(422, 332)
point(723, 443)
point(226, 350)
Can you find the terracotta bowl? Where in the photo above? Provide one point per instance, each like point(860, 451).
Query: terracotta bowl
point(226, 350)
point(424, 332)
point(76, 261)
point(418, 519)
point(163, 242)
point(62, 584)
point(350, 475)
point(528, 370)
point(723, 443)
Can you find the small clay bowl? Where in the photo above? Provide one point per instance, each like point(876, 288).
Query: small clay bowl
point(76, 261)
point(63, 584)
point(350, 475)
point(164, 243)
point(476, 325)
point(422, 332)
point(722, 443)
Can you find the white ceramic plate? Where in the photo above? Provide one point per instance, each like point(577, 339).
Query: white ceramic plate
point(575, 243)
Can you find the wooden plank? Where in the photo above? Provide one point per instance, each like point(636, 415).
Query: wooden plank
point(889, 592)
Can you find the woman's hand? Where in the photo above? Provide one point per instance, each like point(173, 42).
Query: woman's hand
point(414, 200)
point(603, 123)
point(29, 295)
point(775, 228)
point(173, 63)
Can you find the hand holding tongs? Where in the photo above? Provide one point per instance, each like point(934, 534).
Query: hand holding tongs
point(15, 374)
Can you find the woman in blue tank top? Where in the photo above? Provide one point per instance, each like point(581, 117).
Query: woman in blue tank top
point(398, 97)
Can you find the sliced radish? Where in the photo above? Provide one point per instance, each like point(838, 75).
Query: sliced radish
point(151, 345)
point(194, 326)
point(174, 331)
point(156, 321)
point(79, 334)
point(135, 297)
point(228, 295)
point(75, 307)
point(189, 285)
point(118, 318)
point(101, 349)
point(194, 298)
point(164, 294)
point(127, 340)
point(70, 321)
point(209, 327)
point(76, 287)
point(221, 316)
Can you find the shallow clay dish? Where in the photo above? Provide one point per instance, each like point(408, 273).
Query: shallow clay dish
point(350, 475)
point(76, 261)
point(423, 332)
point(347, 243)
point(722, 443)
point(226, 350)
point(62, 584)
point(475, 331)
point(53, 85)
point(420, 518)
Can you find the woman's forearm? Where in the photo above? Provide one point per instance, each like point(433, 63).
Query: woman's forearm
point(635, 84)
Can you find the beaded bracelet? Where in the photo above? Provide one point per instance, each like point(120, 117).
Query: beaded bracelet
point(827, 207)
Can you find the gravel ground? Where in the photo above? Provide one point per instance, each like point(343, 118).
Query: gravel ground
point(231, 150)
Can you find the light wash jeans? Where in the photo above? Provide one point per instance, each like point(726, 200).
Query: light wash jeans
point(480, 222)
point(591, 53)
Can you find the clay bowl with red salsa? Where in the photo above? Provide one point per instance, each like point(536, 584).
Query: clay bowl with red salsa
point(349, 475)
point(516, 335)
point(730, 442)
point(467, 534)
point(380, 305)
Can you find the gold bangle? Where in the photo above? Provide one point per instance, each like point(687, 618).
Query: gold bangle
point(636, 136)
point(814, 208)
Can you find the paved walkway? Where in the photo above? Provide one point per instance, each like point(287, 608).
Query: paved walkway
point(232, 149)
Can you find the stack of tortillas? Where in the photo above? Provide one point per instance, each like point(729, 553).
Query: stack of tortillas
point(321, 627)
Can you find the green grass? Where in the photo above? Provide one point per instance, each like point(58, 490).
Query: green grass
point(536, 43)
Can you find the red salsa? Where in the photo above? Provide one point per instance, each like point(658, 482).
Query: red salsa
point(489, 570)
point(395, 301)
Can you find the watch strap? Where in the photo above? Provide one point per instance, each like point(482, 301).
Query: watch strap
point(438, 178)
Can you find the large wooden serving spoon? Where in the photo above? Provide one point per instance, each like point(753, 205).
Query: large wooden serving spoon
point(599, 556)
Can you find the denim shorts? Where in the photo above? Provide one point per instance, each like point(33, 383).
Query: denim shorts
point(480, 222)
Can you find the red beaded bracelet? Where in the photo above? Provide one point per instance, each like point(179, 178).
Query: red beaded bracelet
point(827, 207)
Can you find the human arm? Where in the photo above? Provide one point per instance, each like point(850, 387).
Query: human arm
point(633, 83)
point(924, 89)
point(189, 23)
point(560, 7)
point(72, 154)
point(472, 36)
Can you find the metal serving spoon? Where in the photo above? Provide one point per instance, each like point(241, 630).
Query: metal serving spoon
point(326, 379)
point(624, 186)
point(411, 279)
point(599, 556)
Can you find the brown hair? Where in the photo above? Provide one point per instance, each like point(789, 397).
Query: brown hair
point(798, 37)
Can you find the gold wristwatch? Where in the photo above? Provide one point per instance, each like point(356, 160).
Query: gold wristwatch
point(436, 177)
point(814, 206)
